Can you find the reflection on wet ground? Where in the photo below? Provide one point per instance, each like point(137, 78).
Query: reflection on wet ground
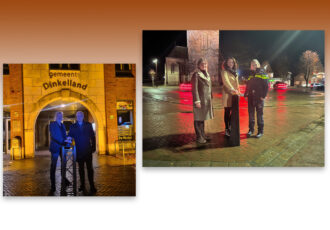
point(30, 177)
point(168, 133)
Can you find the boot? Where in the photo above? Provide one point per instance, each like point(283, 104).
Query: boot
point(198, 130)
point(207, 138)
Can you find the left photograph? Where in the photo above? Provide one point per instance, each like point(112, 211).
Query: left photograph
point(69, 129)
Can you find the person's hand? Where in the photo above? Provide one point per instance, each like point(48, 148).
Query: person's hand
point(262, 98)
point(198, 105)
point(68, 139)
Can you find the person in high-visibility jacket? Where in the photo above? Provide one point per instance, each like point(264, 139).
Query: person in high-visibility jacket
point(256, 92)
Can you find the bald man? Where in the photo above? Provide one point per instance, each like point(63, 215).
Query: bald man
point(84, 137)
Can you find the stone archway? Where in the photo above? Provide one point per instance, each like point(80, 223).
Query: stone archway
point(64, 94)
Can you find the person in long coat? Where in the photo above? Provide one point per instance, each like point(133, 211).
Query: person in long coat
point(230, 87)
point(202, 100)
point(85, 142)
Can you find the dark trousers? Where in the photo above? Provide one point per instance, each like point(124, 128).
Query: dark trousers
point(256, 105)
point(89, 165)
point(53, 167)
point(227, 117)
point(199, 129)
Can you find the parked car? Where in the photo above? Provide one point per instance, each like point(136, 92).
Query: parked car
point(317, 86)
point(280, 85)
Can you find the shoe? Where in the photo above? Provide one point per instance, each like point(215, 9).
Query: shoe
point(52, 189)
point(207, 138)
point(259, 135)
point(93, 190)
point(82, 188)
point(201, 141)
point(250, 133)
point(227, 132)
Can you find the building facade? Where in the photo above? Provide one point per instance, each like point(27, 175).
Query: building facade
point(176, 66)
point(205, 43)
point(34, 92)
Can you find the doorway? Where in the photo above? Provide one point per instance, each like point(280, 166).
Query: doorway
point(47, 115)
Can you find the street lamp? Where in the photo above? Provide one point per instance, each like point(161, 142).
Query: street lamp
point(155, 61)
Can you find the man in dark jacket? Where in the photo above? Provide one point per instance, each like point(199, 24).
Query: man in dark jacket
point(57, 140)
point(256, 92)
point(84, 138)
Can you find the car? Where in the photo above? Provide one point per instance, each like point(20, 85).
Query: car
point(317, 86)
point(280, 85)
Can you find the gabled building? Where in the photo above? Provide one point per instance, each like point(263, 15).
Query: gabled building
point(176, 66)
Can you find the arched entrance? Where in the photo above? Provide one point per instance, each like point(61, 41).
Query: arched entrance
point(59, 98)
point(47, 115)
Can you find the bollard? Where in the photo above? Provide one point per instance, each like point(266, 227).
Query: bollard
point(69, 165)
point(234, 139)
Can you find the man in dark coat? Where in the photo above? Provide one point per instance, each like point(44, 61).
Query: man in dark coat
point(256, 92)
point(84, 138)
point(57, 140)
point(202, 100)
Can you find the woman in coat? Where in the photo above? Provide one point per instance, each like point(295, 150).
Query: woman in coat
point(202, 100)
point(230, 87)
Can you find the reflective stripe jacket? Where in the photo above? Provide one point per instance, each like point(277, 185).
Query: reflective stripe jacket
point(257, 85)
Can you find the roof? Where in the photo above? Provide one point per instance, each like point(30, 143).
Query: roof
point(179, 52)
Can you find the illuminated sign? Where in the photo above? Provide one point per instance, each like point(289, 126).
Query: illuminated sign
point(124, 105)
point(65, 83)
point(64, 73)
point(65, 78)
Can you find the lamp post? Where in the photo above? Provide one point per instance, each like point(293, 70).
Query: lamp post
point(155, 61)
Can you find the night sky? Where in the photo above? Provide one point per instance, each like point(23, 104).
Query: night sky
point(157, 44)
point(280, 48)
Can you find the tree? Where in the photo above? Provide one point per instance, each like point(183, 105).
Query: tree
point(310, 63)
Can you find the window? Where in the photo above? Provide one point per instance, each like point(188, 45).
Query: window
point(64, 66)
point(124, 70)
point(5, 69)
point(172, 68)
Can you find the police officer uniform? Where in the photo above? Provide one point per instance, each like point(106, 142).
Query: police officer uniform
point(256, 88)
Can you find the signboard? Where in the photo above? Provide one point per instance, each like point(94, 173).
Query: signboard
point(64, 78)
point(125, 138)
point(124, 105)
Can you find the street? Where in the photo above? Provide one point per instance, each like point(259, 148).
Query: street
point(30, 177)
point(293, 133)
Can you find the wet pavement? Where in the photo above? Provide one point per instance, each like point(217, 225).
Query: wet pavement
point(293, 133)
point(30, 177)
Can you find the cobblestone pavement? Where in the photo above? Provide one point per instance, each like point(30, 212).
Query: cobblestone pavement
point(30, 177)
point(293, 133)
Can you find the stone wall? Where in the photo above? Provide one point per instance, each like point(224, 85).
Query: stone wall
point(43, 86)
point(117, 89)
point(205, 43)
point(13, 101)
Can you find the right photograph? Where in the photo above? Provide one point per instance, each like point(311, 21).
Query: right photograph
point(233, 98)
